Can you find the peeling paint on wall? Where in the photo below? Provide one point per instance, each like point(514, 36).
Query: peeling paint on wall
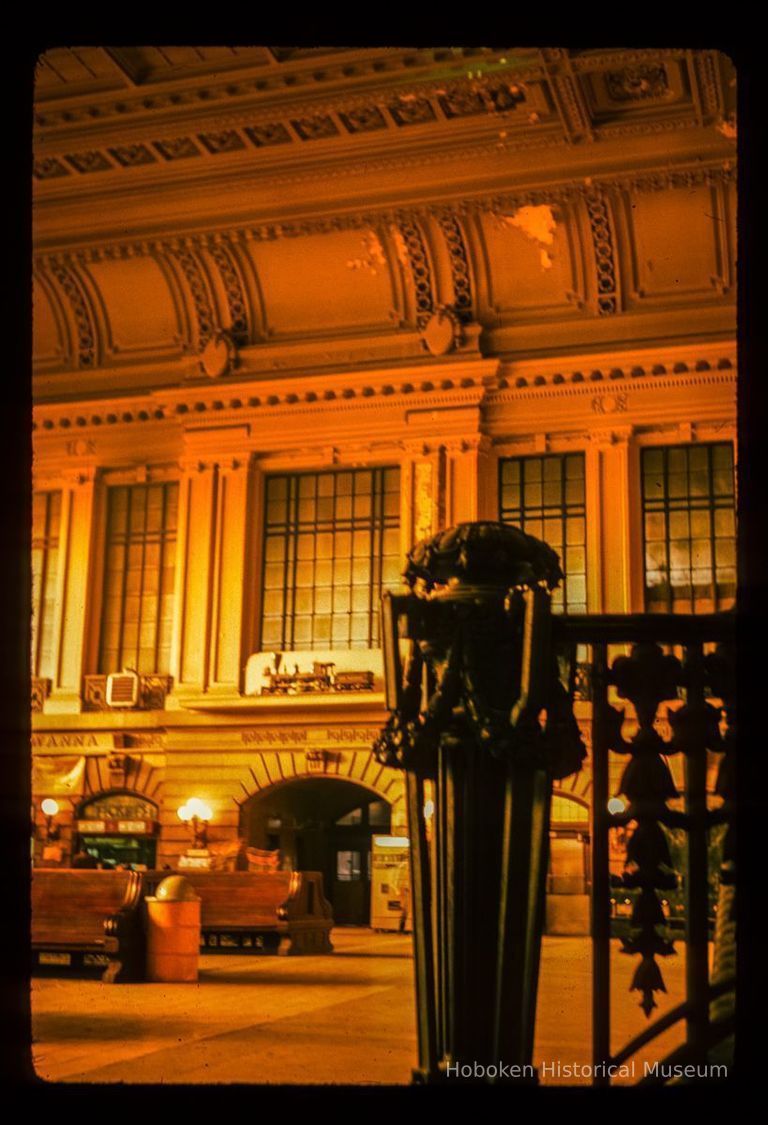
point(537, 223)
point(374, 254)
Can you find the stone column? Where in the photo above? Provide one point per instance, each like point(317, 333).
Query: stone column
point(75, 581)
point(190, 651)
point(610, 470)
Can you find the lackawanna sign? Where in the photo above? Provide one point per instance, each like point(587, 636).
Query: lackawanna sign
point(80, 740)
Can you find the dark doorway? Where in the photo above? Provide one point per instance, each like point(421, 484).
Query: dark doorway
point(322, 824)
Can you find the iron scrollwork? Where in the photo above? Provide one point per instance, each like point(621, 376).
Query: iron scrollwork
point(479, 665)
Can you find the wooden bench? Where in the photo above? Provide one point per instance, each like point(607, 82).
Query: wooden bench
point(91, 921)
point(252, 910)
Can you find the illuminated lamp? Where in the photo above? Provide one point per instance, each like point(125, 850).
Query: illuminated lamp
point(50, 809)
point(197, 814)
point(616, 806)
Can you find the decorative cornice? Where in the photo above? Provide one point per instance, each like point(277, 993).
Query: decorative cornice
point(604, 60)
point(561, 192)
point(437, 390)
point(640, 378)
point(272, 84)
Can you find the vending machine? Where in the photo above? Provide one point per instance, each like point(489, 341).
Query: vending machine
point(390, 884)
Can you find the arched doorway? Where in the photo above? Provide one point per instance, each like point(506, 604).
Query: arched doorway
point(118, 828)
point(322, 824)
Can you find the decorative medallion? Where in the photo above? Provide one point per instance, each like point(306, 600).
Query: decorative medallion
point(637, 83)
point(218, 356)
point(442, 332)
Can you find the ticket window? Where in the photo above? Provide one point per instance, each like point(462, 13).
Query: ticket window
point(137, 852)
point(119, 829)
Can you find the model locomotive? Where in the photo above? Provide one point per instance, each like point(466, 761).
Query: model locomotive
point(322, 678)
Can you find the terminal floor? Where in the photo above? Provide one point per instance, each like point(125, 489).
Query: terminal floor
point(344, 1018)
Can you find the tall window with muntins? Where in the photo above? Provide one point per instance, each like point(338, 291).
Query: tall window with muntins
point(689, 528)
point(46, 517)
point(545, 497)
point(331, 544)
point(137, 617)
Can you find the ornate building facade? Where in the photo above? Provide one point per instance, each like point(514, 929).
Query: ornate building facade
point(295, 309)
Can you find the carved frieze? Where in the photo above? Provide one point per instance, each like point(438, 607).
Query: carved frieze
point(315, 128)
point(460, 275)
point(133, 156)
point(605, 256)
point(270, 133)
point(228, 140)
point(177, 148)
point(41, 689)
point(413, 256)
point(92, 161)
point(49, 168)
point(202, 302)
point(86, 333)
point(410, 110)
point(365, 119)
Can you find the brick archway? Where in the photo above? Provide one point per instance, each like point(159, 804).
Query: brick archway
point(270, 768)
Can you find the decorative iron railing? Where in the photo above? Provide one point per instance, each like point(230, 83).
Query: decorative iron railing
point(647, 677)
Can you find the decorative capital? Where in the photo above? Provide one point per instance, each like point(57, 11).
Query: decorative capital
point(618, 435)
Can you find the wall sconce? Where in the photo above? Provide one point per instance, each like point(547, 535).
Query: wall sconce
point(197, 814)
point(50, 809)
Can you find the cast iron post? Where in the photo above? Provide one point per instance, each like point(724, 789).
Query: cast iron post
point(482, 726)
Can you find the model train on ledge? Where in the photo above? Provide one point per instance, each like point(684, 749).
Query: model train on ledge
point(322, 678)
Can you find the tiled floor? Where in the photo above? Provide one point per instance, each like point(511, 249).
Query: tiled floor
point(344, 1018)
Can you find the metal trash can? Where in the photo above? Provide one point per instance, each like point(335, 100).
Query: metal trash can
point(173, 938)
